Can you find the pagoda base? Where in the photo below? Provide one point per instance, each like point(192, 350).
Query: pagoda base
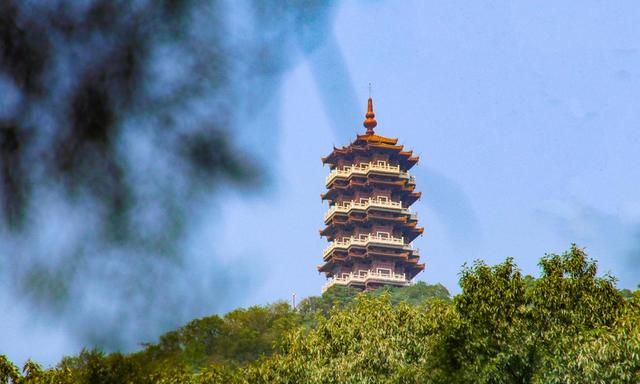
point(368, 280)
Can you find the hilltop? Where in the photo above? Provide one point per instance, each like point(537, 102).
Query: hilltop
point(568, 325)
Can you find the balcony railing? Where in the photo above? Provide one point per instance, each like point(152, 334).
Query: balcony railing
point(380, 202)
point(364, 169)
point(364, 240)
point(363, 277)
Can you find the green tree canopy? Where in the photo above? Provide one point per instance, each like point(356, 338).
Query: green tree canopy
point(569, 325)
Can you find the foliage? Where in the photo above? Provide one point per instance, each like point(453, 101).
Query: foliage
point(341, 296)
point(502, 328)
point(372, 342)
point(489, 340)
point(311, 308)
point(8, 371)
point(416, 294)
point(79, 73)
point(567, 326)
point(117, 118)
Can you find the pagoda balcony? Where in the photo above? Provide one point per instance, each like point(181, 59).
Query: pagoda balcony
point(365, 240)
point(365, 277)
point(379, 202)
point(365, 169)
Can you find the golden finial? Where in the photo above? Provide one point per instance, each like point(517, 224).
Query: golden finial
point(370, 121)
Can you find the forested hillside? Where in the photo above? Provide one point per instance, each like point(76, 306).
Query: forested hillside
point(569, 325)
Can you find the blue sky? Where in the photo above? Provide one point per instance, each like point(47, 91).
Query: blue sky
point(525, 116)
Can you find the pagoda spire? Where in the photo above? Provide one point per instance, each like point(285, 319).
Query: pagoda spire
point(370, 118)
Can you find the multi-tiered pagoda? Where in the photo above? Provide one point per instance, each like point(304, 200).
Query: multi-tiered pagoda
point(369, 224)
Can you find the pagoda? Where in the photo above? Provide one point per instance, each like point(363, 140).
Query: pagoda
point(369, 225)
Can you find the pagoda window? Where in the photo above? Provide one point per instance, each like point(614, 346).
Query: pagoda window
point(382, 228)
point(361, 159)
point(384, 271)
point(384, 235)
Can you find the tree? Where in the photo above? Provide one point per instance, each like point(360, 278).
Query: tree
point(503, 328)
point(604, 354)
point(9, 373)
point(415, 294)
point(567, 326)
point(370, 341)
point(118, 119)
point(489, 342)
point(569, 297)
